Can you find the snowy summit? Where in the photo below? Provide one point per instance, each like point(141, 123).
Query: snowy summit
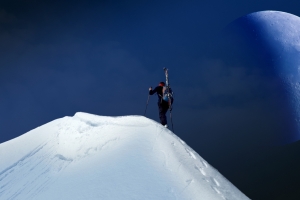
point(95, 157)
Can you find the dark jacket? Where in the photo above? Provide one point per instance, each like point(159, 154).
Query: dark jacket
point(159, 90)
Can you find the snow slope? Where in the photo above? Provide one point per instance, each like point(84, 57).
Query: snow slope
point(96, 157)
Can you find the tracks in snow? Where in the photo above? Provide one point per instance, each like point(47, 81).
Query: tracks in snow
point(202, 167)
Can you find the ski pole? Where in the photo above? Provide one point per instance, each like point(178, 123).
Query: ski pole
point(147, 105)
point(170, 108)
point(172, 121)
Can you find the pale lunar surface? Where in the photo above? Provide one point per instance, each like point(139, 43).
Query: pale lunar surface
point(270, 41)
point(283, 31)
point(95, 157)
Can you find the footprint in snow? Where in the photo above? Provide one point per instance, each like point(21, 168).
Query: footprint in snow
point(215, 189)
point(205, 179)
point(191, 153)
point(216, 182)
point(182, 142)
point(201, 170)
point(224, 197)
point(204, 163)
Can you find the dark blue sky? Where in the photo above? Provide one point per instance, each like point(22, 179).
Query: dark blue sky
point(58, 58)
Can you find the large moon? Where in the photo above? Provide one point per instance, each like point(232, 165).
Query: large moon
point(263, 49)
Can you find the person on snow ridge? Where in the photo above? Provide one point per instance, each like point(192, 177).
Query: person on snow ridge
point(163, 105)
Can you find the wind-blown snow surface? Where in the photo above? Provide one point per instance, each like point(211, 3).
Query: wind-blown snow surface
point(95, 157)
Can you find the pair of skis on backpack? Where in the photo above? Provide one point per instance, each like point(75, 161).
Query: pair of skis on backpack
point(167, 91)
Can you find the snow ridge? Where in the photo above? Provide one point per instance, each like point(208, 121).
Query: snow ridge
point(96, 157)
